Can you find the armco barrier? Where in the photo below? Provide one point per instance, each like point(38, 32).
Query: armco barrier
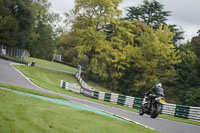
point(87, 92)
point(182, 111)
point(101, 95)
point(121, 99)
point(107, 97)
point(168, 109)
point(131, 102)
point(71, 87)
point(137, 102)
point(96, 95)
point(114, 98)
point(194, 113)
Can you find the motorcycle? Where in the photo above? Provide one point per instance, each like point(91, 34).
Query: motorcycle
point(154, 108)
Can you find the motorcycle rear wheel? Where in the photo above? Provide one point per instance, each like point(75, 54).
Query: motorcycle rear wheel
point(156, 111)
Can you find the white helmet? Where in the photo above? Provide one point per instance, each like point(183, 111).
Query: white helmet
point(158, 84)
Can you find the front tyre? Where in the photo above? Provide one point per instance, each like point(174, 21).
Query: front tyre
point(141, 111)
point(157, 110)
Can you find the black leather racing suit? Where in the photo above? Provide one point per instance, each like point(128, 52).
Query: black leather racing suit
point(157, 91)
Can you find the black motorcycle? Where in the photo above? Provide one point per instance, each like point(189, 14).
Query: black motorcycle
point(154, 108)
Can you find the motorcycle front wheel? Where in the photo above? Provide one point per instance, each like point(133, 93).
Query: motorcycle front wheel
point(156, 112)
point(141, 111)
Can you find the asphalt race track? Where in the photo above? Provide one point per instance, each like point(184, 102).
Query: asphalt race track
point(9, 75)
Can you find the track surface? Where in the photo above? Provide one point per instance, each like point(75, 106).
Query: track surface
point(9, 75)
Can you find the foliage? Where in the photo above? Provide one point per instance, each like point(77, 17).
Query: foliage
point(111, 56)
point(90, 19)
point(189, 73)
point(66, 47)
point(43, 41)
point(188, 81)
point(157, 59)
point(15, 22)
point(187, 68)
point(192, 97)
point(195, 43)
point(29, 24)
point(153, 14)
point(8, 31)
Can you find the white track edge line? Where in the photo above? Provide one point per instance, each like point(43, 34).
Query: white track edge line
point(11, 64)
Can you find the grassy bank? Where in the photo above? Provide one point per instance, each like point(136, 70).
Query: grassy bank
point(52, 64)
point(21, 114)
point(69, 68)
point(16, 88)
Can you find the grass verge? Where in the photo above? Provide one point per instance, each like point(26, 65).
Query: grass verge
point(52, 64)
point(49, 79)
point(21, 114)
point(179, 119)
point(65, 67)
point(16, 88)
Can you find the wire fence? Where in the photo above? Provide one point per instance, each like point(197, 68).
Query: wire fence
point(14, 52)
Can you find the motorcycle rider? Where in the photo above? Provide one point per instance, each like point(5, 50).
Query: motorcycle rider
point(155, 91)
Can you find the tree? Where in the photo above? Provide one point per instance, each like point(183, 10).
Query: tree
point(153, 14)
point(157, 59)
point(43, 37)
point(195, 45)
point(8, 26)
point(67, 43)
point(111, 58)
point(192, 97)
point(187, 69)
point(90, 18)
point(188, 80)
point(16, 21)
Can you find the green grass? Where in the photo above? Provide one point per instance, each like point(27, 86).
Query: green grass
point(16, 88)
point(49, 79)
point(179, 119)
point(20, 114)
point(98, 87)
point(65, 67)
point(52, 64)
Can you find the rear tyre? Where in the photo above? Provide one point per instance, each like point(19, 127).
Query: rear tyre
point(141, 111)
point(156, 112)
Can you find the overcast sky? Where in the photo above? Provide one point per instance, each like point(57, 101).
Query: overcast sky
point(185, 13)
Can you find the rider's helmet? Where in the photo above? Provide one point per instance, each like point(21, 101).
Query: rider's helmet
point(158, 84)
